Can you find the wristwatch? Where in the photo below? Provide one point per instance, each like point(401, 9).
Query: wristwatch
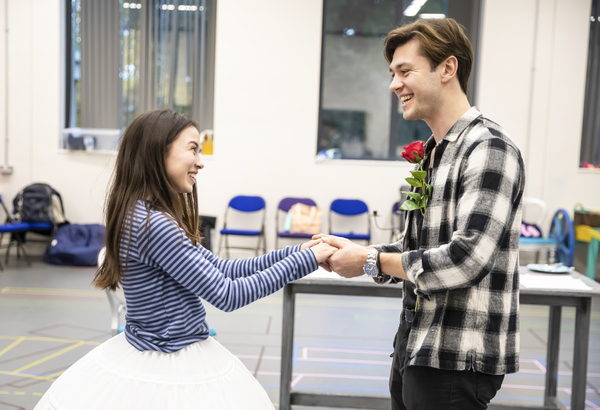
point(370, 266)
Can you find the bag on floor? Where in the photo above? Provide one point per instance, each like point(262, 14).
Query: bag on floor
point(305, 219)
point(39, 203)
point(76, 245)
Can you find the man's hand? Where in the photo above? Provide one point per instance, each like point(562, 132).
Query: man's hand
point(322, 235)
point(350, 258)
point(311, 243)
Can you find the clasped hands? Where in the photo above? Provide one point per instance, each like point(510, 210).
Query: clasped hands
point(339, 255)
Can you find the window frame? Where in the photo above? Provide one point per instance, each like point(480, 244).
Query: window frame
point(394, 115)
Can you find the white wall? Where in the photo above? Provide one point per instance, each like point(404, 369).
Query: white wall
point(266, 107)
point(532, 82)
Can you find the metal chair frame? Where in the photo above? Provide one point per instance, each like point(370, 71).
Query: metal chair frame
point(558, 244)
point(17, 227)
point(117, 306)
point(262, 241)
point(398, 215)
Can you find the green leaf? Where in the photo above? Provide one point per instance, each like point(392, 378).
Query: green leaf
point(419, 159)
point(420, 175)
point(423, 202)
point(414, 182)
point(413, 195)
point(409, 206)
point(429, 188)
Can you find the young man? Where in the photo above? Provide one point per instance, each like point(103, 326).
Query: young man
point(459, 332)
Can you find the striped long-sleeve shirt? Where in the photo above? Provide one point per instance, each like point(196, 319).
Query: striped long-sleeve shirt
point(165, 276)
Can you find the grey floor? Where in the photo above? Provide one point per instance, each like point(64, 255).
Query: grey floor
point(51, 316)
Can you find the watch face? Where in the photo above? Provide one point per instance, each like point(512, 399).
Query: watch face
point(371, 270)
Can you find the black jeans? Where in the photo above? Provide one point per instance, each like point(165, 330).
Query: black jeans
point(427, 388)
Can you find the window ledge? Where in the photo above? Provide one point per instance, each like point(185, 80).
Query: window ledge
point(366, 162)
point(588, 171)
point(63, 151)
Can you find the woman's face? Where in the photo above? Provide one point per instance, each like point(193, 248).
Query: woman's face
point(183, 160)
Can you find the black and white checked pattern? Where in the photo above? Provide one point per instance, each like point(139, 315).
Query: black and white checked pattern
point(466, 272)
point(166, 276)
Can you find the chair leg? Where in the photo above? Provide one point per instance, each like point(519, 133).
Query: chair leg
point(221, 244)
point(7, 251)
point(20, 246)
point(227, 246)
point(261, 243)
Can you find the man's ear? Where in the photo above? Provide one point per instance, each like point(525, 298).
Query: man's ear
point(449, 68)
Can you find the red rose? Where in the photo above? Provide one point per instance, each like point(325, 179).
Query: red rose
point(413, 148)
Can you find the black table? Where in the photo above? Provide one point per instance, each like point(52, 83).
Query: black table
point(581, 300)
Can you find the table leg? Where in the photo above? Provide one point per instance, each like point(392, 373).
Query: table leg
point(552, 354)
point(580, 354)
point(287, 347)
point(592, 257)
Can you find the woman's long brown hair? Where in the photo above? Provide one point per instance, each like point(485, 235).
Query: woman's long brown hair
point(140, 173)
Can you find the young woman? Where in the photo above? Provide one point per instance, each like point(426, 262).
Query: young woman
point(165, 359)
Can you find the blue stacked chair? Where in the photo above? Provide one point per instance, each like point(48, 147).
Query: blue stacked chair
point(352, 210)
point(249, 205)
point(284, 206)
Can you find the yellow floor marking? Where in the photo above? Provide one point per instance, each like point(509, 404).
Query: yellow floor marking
point(10, 346)
point(53, 355)
point(22, 393)
point(52, 339)
point(28, 376)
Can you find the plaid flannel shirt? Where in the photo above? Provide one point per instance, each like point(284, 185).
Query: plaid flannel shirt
point(466, 272)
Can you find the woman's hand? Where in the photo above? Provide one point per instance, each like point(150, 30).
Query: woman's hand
point(322, 252)
point(310, 244)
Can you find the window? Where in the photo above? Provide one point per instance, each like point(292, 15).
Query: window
point(590, 140)
point(359, 118)
point(125, 58)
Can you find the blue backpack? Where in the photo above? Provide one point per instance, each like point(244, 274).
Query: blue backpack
point(76, 245)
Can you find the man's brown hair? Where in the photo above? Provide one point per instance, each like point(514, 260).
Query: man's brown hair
point(438, 39)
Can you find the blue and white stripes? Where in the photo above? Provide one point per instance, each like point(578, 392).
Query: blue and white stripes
point(166, 276)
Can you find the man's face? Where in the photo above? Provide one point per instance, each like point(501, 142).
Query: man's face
point(417, 87)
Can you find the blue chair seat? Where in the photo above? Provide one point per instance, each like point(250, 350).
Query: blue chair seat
point(294, 235)
point(536, 241)
point(239, 232)
point(358, 236)
point(15, 227)
point(40, 225)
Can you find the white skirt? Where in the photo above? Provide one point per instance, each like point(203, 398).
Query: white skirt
point(115, 376)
